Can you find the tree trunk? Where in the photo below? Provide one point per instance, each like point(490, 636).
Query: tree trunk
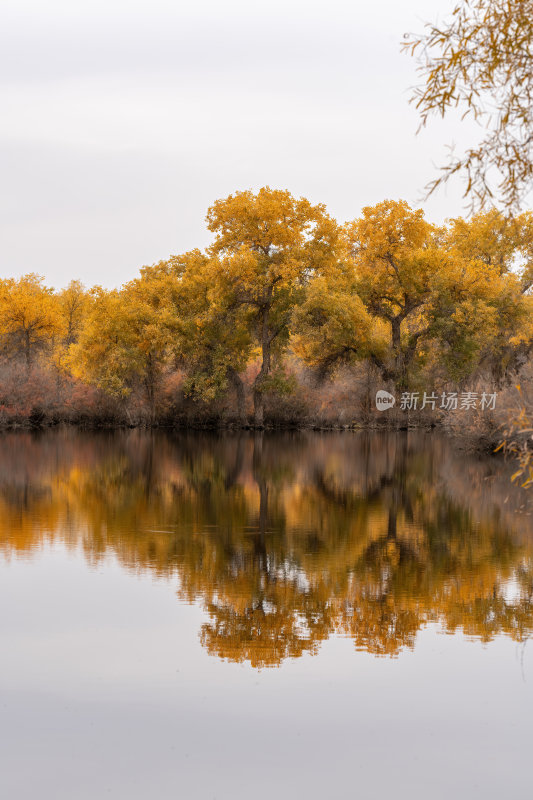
point(150, 381)
point(27, 349)
point(238, 385)
point(399, 376)
point(402, 359)
point(259, 408)
point(259, 395)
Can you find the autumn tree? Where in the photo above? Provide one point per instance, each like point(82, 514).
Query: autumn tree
point(480, 63)
point(393, 254)
point(505, 244)
point(333, 326)
point(267, 246)
point(125, 340)
point(410, 291)
point(211, 334)
point(73, 304)
point(375, 310)
point(391, 263)
point(216, 353)
point(29, 316)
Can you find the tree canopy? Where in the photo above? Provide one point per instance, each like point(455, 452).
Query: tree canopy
point(285, 293)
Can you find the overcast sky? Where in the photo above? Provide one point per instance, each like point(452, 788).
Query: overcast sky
point(122, 121)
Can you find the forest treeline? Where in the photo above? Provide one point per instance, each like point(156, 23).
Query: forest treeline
point(288, 316)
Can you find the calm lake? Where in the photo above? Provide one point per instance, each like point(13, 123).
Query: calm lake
point(254, 616)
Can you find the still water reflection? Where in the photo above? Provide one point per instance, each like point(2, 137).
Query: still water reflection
point(286, 540)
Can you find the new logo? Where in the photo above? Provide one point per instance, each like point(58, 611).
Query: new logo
point(384, 400)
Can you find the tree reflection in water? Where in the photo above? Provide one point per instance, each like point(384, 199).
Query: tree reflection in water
point(286, 539)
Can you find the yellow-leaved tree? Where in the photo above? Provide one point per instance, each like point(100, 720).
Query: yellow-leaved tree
point(29, 317)
point(409, 290)
point(479, 63)
point(73, 303)
point(504, 244)
point(125, 341)
point(267, 247)
point(211, 334)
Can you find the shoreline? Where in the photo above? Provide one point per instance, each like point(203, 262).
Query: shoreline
point(463, 441)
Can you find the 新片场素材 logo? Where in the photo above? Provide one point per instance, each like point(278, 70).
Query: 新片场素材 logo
point(384, 400)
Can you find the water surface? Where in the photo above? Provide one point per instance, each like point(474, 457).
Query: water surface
point(241, 615)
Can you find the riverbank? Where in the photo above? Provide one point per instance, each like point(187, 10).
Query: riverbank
point(475, 418)
point(481, 442)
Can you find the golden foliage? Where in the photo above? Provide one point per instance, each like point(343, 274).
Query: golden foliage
point(29, 316)
point(282, 280)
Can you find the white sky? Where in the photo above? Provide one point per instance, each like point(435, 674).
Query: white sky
point(122, 121)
